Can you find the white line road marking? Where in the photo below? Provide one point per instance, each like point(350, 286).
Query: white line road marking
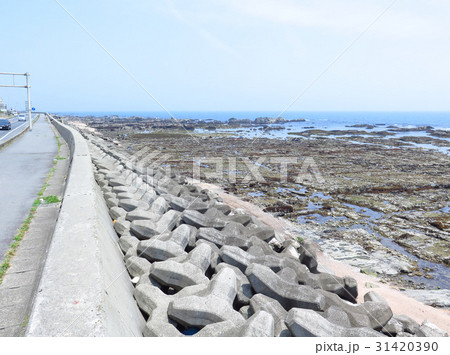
point(15, 129)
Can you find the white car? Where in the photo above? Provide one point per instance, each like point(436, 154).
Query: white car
point(22, 117)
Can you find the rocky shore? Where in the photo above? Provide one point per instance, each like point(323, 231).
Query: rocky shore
point(376, 203)
point(186, 249)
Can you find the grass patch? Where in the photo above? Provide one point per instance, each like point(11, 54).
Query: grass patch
point(15, 244)
point(50, 199)
point(59, 146)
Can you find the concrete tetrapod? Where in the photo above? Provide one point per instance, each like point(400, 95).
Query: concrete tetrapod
point(139, 214)
point(130, 204)
point(261, 324)
point(289, 295)
point(159, 206)
point(183, 271)
point(122, 226)
point(165, 246)
point(307, 323)
point(137, 266)
point(180, 204)
point(237, 257)
point(128, 242)
point(260, 302)
point(198, 220)
point(220, 239)
point(244, 289)
point(345, 287)
point(146, 229)
point(428, 329)
point(211, 306)
point(369, 314)
point(153, 302)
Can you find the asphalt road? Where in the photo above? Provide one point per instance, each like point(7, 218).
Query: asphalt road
point(24, 166)
point(15, 124)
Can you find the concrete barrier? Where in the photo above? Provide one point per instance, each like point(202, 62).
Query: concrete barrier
point(85, 289)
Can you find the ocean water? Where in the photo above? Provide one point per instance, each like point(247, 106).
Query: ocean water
point(318, 119)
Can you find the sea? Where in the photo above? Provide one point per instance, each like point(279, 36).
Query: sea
point(318, 119)
point(324, 120)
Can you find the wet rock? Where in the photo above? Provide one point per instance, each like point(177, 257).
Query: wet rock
point(434, 298)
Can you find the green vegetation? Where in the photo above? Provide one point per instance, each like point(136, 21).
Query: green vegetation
point(59, 145)
point(14, 245)
point(369, 272)
point(50, 199)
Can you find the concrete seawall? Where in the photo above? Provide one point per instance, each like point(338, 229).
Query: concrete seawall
point(85, 289)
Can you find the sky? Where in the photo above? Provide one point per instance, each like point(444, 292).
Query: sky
point(223, 55)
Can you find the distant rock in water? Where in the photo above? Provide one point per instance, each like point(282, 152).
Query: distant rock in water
point(268, 120)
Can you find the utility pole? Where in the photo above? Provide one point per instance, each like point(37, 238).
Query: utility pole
point(29, 102)
point(27, 86)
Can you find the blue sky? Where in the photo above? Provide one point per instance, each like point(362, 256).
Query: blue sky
point(228, 54)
